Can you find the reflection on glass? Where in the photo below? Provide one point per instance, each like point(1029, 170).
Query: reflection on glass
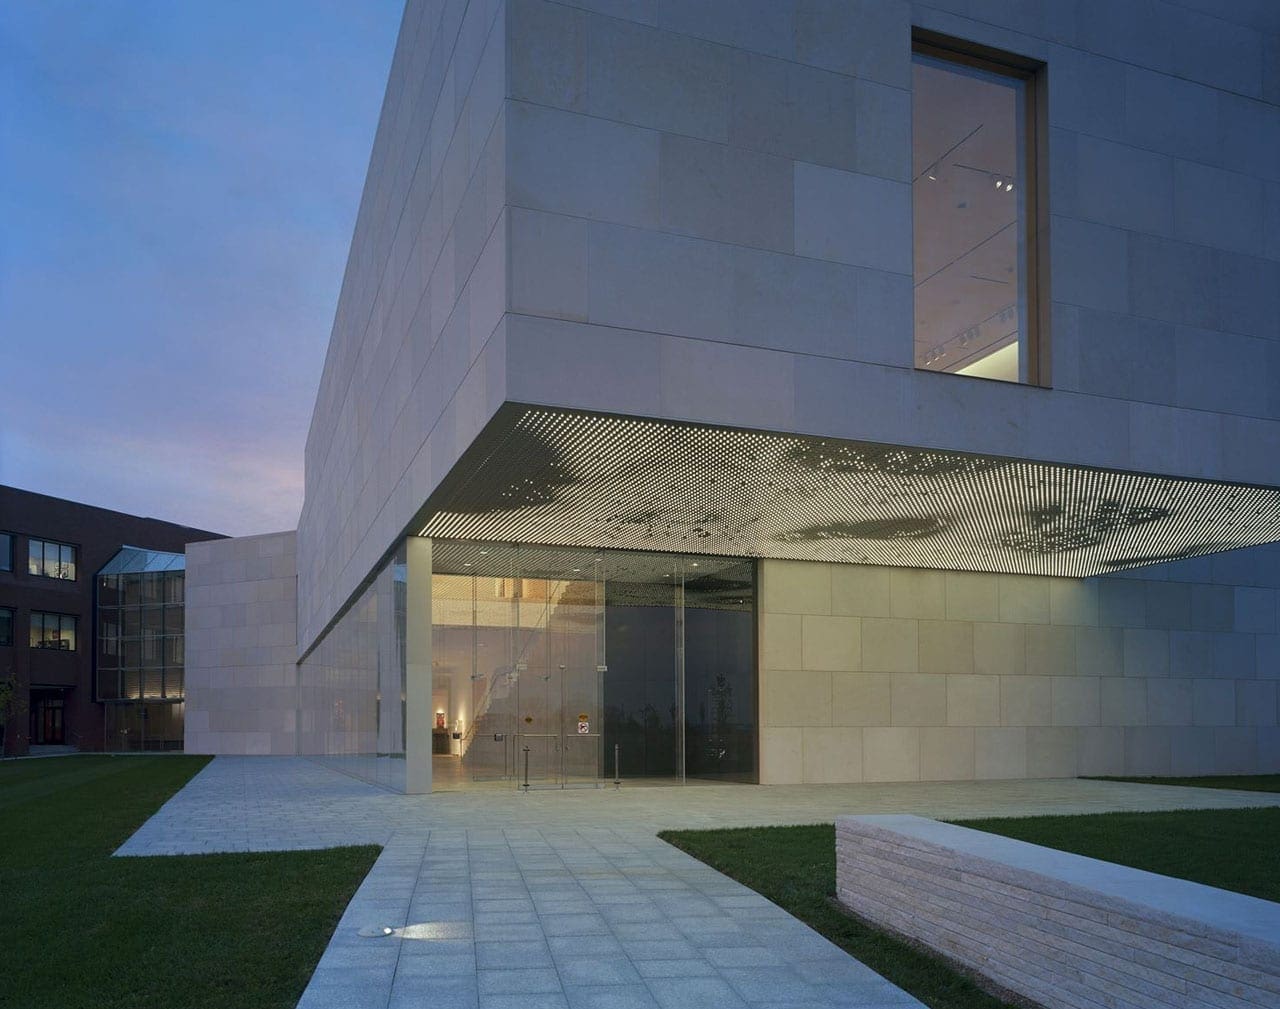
point(969, 171)
point(140, 648)
point(53, 630)
point(595, 661)
point(51, 560)
point(351, 686)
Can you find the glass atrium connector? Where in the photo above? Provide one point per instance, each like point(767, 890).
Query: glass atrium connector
point(141, 663)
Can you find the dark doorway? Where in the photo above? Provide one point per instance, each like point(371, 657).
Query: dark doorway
point(47, 728)
point(680, 694)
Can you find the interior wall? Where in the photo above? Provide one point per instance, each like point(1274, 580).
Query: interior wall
point(897, 674)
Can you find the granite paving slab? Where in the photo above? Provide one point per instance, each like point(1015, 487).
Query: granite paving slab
point(567, 898)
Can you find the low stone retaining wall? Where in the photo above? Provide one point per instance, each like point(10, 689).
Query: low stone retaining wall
point(1056, 928)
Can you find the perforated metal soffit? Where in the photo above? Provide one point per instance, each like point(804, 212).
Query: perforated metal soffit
point(564, 478)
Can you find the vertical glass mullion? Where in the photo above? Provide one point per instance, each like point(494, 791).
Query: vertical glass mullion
point(679, 671)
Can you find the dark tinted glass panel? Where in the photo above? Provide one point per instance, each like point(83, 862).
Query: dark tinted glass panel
point(109, 590)
point(720, 675)
point(6, 627)
point(108, 683)
point(131, 653)
point(6, 552)
point(152, 649)
point(174, 617)
point(152, 587)
point(130, 683)
point(640, 710)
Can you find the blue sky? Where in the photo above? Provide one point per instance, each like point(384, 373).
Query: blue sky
point(178, 185)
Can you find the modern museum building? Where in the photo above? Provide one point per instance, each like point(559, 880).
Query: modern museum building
point(786, 391)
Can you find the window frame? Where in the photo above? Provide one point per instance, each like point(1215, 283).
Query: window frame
point(62, 619)
point(13, 620)
point(7, 551)
point(1035, 230)
point(44, 561)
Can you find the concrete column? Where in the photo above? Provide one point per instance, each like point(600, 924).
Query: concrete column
point(417, 694)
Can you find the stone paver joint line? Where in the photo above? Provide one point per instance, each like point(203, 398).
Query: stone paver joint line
point(568, 899)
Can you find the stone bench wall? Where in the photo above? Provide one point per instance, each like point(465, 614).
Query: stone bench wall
point(1060, 929)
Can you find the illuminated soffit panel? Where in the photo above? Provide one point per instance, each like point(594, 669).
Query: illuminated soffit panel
point(575, 479)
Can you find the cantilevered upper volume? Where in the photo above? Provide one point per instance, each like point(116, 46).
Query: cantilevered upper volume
point(721, 381)
point(880, 224)
point(581, 479)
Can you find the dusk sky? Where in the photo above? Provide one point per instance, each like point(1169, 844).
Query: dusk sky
point(178, 186)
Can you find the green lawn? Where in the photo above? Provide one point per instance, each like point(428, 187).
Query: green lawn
point(1233, 849)
point(80, 928)
point(1243, 782)
point(795, 868)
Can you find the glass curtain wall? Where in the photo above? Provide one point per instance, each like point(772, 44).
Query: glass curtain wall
point(567, 666)
point(140, 664)
point(351, 686)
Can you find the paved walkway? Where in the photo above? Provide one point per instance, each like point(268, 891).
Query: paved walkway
point(567, 899)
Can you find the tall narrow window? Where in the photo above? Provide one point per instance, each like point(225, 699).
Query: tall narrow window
point(976, 201)
point(6, 626)
point(6, 552)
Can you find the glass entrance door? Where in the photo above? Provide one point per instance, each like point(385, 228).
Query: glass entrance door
point(574, 663)
point(559, 678)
